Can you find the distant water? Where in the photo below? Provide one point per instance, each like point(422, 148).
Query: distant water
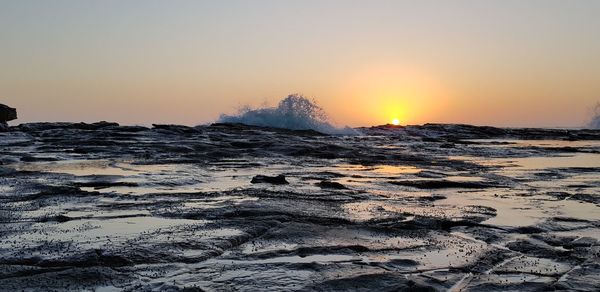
point(294, 112)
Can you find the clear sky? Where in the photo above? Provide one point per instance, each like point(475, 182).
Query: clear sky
point(505, 62)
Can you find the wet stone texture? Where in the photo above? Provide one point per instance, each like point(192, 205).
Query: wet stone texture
point(235, 208)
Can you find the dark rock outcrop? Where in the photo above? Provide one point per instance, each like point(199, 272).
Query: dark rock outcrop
point(6, 114)
point(326, 184)
point(275, 180)
point(443, 184)
point(46, 126)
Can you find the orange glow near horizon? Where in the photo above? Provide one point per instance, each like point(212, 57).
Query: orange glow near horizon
point(381, 93)
point(453, 62)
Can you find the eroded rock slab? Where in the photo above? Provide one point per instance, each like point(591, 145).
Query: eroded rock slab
point(230, 207)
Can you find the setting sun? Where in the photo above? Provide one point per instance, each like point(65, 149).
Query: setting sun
point(395, 122)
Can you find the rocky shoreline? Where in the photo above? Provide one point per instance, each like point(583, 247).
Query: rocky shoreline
point(235, 207)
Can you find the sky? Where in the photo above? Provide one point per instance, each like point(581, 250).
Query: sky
point(502, 63)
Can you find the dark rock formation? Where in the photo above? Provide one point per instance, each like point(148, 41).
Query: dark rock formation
point(6, 114)
point(46, 126)
point(326, 184)
point(443, 184)
point(275, 180)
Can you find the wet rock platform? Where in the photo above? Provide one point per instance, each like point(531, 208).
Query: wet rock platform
point(228, 207)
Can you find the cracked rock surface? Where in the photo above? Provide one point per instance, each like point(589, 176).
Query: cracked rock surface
point(228, 207)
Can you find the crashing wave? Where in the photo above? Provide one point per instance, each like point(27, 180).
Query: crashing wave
point(295, 112)
point(595, 122)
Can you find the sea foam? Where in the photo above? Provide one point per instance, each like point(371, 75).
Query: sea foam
point(595, 121)
point(295, 112)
